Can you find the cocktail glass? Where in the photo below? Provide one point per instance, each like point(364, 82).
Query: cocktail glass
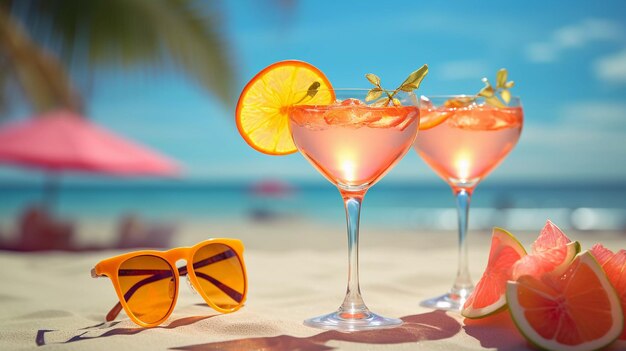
point(468, 140)
point(354, 145)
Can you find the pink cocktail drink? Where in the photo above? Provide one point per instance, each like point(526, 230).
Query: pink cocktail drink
point(353, 145)
point(471, 142)
point(463, 139)
point(353, 137)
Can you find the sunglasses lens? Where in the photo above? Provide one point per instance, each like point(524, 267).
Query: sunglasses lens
point(220, 274)
point(149, 287)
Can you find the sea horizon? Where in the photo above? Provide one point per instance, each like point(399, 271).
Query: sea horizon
point(399, 205)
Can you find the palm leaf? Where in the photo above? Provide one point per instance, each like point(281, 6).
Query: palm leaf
point(38, 73)
point(127, 33)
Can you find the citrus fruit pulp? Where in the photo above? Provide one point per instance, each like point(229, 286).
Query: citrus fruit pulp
point(489, 294)
point(551, 252)
point(263, 106)
point(601, 253)
point(614, 265)
point(578, 310)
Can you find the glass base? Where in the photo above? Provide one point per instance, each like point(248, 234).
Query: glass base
point(347, 322)
point(449, 302)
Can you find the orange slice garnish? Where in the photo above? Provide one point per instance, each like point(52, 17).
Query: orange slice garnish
point(430, 118)
point(263, 106)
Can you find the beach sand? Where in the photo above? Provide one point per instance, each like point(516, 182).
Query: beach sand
point(296, 269)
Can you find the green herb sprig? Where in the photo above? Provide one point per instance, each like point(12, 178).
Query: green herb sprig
point(502, 90)
point(500, 96)
point(412, 82)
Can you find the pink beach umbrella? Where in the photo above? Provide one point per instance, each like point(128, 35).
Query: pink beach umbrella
point(62, 141)
point(271, 188)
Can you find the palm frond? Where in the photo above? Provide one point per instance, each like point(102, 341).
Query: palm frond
point(123, 34)
point(41, 77)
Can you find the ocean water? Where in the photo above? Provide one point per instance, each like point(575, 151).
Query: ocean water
point(398, 206)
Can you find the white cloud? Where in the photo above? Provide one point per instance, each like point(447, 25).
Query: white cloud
point(541, 52)
point(568, 152)
point(459, 70)
point(611, 68)
point(587, 31)
point(594, 115)
point(574, 36)
point(584, 142)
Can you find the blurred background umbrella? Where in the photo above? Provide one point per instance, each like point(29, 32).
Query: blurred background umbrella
point(61, 141)
point(272, 188)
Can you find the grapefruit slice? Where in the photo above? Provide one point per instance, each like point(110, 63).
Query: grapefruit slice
point(553, 261)
point(601, 253)
point(551, 252)
point(549, 237)
point(489, 294)
point(614, 265)
point(262, 110)
point(578, 310)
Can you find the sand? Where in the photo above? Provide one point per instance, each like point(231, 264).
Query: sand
point(296, 269)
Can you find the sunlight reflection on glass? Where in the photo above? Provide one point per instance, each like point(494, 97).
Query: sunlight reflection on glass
point(462, 165)
point(348, 169)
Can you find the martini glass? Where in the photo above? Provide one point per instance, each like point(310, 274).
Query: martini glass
point(354, 145)
point(465, 143)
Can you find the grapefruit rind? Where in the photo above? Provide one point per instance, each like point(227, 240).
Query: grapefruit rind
point(614, 265)
point(573, 249)
point(262, 109)
point(507, 240)
point(531, 334)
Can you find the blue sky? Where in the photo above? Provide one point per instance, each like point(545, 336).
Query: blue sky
point(568, 59)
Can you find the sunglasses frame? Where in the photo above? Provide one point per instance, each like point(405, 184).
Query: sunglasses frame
point(110, 268)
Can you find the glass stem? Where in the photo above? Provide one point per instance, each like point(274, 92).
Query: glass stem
point(463, 282)
point(353, 305)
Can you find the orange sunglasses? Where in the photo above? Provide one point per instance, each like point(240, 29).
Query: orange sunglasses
point(146, 282)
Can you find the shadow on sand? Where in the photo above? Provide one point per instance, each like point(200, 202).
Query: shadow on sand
point(434, 325)
point(94, 331)
point(496, 331)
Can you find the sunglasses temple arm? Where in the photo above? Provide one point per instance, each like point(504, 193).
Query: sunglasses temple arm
point(114, 312)
point(232, 293)
point(116, 309)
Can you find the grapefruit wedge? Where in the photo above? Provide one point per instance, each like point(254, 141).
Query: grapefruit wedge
point(489, 294)
point(601, 253)
point(614, 265)
point(551, 252)
point(578, 310)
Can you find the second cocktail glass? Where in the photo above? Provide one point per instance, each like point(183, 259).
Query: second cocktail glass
point(465, 139)
point(354, 145)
